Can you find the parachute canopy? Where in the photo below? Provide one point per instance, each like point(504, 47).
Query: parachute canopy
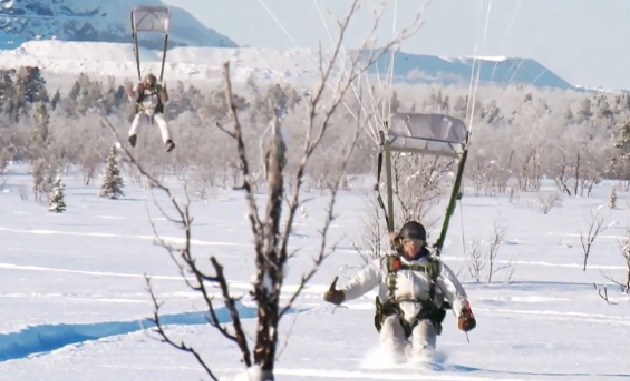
point(435, 134)
point(150, 19)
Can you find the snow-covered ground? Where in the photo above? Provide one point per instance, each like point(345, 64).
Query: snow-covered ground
point(73, 297)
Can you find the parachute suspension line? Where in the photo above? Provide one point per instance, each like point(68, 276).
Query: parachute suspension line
point(376, 134)
point(386, 145)
point(278, 22)
point(371, 130)
point(476, 69)
point(392, 63)
point(377, 117)
point(470, 108)
point(389, 223)
point(295, 44)
point(507, 32)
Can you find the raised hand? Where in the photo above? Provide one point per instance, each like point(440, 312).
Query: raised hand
point(333, 295)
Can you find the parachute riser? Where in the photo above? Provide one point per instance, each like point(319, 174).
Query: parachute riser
point(450, 209)
point(392, 255)
point(134, 35)
point(164, 57)
point(388, 179)
point(385, 150)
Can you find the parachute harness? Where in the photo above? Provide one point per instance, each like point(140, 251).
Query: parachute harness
point(429, 308)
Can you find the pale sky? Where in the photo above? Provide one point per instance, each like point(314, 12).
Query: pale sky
point(587, 42)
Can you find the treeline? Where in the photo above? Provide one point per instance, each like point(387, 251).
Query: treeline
point(521, 134)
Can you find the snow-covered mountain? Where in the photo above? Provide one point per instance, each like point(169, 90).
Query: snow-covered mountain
point(263, 64)
point(95, 20)
point(451, 70)
point(193, 54)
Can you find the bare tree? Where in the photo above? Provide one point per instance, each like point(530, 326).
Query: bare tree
point(44, 164)
point(612, 199)
point(480, 258)
point(548, 200)
point(498, 234)
point(595, 228)
point(581, 162)
point(603, 293)
point(418, 184)
point(272, 227)
point(624, 247)
point(476, 263)
point(373, 231)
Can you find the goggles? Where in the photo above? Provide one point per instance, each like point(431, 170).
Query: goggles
point(418, 242)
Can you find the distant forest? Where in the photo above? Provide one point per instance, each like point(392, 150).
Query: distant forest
point(520, 134)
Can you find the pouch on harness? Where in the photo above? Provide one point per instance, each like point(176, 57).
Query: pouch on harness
point(159, 107)
point(429, 309)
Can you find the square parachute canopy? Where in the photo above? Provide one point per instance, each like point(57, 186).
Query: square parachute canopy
point(434, 134)
point(150, 19)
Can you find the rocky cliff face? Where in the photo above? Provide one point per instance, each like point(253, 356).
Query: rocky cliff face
point(95, 20)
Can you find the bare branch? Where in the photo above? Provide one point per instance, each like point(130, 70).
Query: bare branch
point(190, 266)
point(497, 239)
point(229, 133)
point(230, 304)
point(595, 228)
point(603, 293)
point(159, 329)
point(476, 263)
point(247, 186)
point(323, 254)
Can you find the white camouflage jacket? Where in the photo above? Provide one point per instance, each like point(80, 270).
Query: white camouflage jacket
point(412, 286)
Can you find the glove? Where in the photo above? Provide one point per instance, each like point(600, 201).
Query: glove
point(333, 295)
point(466, 320)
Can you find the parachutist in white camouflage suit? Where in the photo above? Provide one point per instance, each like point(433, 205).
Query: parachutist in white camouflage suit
point(149, 104)
point(410, 324)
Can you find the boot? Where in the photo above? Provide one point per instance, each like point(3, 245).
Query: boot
point(169, 145)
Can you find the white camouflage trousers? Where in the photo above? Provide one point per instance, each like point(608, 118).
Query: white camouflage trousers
point(158, 118)
point(422, 339)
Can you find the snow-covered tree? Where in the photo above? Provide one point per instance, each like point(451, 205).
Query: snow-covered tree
point(112, 182)
point(56, 199)
point(43, 163)
point(620, 160)
point(612, 201)
point(624, 245)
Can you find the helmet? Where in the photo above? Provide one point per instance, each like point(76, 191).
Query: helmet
point(413, 230)
point(150, 78)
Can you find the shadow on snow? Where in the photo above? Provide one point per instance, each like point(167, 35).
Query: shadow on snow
point(45, 338)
